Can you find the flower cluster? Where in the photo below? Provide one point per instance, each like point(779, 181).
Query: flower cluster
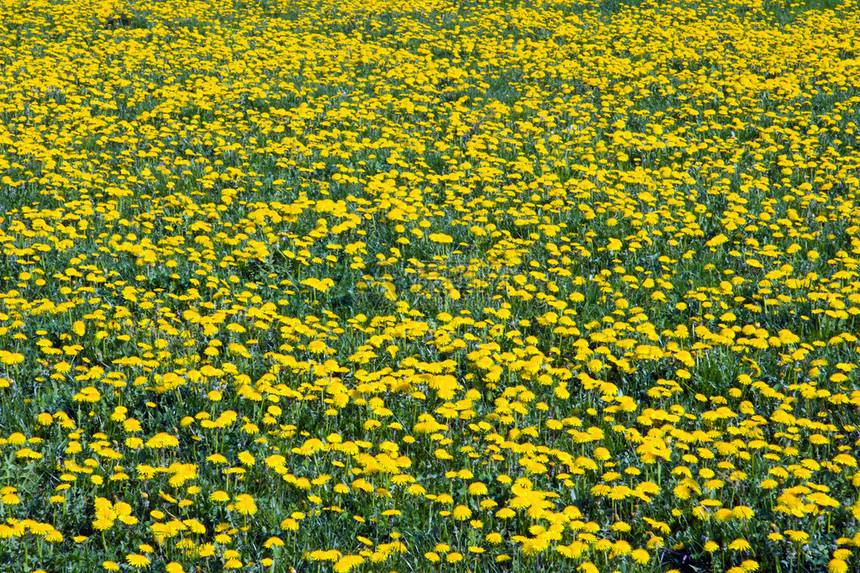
point(391, 285)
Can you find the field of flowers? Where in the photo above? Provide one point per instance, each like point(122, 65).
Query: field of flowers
point(429, 285)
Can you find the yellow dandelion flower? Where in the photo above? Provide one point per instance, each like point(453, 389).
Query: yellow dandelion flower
point(432, 557)
point(505, 513)
point(162, 440)
point(136, 560)
point(742, 512)
point(454, 557)
point(462, 513)
point(477, 488)
point(347, 563)
point(245, 505)
point(640, 556)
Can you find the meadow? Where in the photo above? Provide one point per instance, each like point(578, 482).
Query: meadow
point(429, 285)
